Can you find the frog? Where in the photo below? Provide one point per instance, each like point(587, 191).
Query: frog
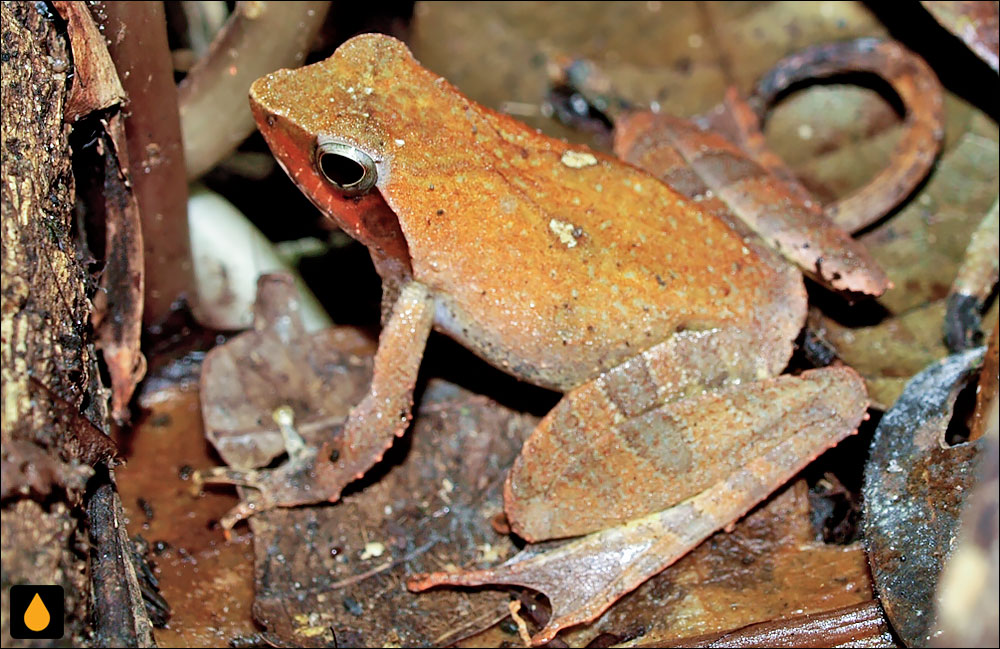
point(665, 327)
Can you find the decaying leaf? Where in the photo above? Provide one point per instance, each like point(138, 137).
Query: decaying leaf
point(915, 486)
point(118, 307)
point(680, 57)
point(95, 85)
point(890, 353)
point(770, 566)
point(279, 364)
point(974, 283)
point(976, 23)
point(583, 577)
point(923, 245)
point(326, 573)
point(276, 389)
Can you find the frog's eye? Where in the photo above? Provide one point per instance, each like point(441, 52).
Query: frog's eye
point(346, 167)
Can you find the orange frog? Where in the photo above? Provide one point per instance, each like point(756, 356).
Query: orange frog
point(665, 327)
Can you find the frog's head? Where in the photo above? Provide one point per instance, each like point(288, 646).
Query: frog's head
point(330, 127)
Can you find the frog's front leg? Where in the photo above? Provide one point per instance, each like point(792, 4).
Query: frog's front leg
point(312, 475)
point(724, 451)
point(385, 412)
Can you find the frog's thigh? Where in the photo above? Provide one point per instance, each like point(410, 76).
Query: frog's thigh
point(591, 463)
point(685, 364)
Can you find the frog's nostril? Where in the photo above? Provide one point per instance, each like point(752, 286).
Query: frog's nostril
point(346, 167)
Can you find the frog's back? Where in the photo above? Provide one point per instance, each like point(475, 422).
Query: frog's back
point(547, 259)
point(556, 262)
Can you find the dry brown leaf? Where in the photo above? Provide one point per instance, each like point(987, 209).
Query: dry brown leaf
point(277, 389)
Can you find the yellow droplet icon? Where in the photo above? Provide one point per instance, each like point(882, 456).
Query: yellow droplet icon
point(36, 616)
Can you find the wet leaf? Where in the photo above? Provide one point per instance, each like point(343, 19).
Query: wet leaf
point(278, 389)
point(915, 487)
point(337, 564)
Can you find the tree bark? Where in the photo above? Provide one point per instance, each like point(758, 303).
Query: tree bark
point(54, 405)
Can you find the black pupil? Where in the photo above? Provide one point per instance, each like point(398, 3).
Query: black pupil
point(341, 170)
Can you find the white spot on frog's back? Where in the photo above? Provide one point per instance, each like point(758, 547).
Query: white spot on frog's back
point(578, 159)
point(567, 232)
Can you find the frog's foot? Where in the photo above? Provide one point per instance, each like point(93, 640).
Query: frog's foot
point(308, 476)
point(585, 576)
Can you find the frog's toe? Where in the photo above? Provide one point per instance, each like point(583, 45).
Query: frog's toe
point(306, 477)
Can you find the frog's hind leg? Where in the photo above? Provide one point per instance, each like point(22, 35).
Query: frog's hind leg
point(594, 444)
point(585, 576)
